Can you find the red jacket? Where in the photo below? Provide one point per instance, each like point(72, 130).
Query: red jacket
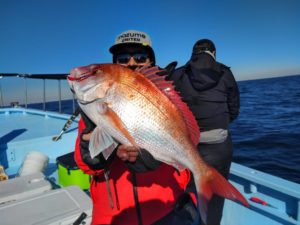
point(157, 190)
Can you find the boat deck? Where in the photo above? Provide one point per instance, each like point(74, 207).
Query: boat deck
point(24, 130)
point(21, 129)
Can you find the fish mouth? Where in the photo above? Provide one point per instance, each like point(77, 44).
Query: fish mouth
point(81, 77)
point(81, 73)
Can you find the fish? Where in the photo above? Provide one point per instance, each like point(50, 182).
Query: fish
point(142, 109)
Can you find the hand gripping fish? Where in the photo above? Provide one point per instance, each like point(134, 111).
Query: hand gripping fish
point(140, 108)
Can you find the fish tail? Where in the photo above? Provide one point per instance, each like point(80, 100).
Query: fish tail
point(215, 183)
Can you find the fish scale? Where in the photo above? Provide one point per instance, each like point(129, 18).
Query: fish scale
point(142, 136)
point(148, 113)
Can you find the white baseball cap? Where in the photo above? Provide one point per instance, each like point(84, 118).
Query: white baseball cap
point(133, 38)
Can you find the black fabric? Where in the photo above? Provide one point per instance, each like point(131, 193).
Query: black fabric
point(203, 64)
point(67, 161)
point(136, 199)
point(211, 92)
point(96, 163)
point(171, 66)
point(209, 89)
point(89, 125)
point(203, 45)
point(219, 156)
point(144, 163)
point(169, 69)
point(184, 213)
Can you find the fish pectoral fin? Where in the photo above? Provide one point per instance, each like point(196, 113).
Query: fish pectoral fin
point(101, 142)
point(119, 125)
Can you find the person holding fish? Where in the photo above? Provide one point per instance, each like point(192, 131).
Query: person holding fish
point(211, 92)
point(136, 116)
point(129, 186)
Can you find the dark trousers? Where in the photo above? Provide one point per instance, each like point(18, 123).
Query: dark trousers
point(185, 213)
point(218, 156)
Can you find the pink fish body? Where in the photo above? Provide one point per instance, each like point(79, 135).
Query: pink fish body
point(142, 109)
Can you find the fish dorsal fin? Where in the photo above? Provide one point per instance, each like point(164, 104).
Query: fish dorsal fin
point(168, 89)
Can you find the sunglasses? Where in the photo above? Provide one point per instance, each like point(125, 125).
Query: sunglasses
point(138, 58)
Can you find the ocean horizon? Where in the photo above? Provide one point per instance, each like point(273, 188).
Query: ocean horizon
point(266, 135)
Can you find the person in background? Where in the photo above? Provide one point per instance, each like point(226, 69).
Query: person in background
point(131, 187)
point(211, 92)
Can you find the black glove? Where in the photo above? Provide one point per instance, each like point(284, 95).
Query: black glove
point(98, 162)
point(168, 70)
point(145, 162)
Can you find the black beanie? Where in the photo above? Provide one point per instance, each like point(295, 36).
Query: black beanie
point(203, 45)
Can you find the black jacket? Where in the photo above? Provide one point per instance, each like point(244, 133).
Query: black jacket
point(209, 89)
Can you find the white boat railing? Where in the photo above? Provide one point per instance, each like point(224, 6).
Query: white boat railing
point(43, 77)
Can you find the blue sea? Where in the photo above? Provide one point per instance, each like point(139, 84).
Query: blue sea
point(266, 134)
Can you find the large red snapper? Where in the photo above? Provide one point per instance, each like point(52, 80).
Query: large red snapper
point(142, 109)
